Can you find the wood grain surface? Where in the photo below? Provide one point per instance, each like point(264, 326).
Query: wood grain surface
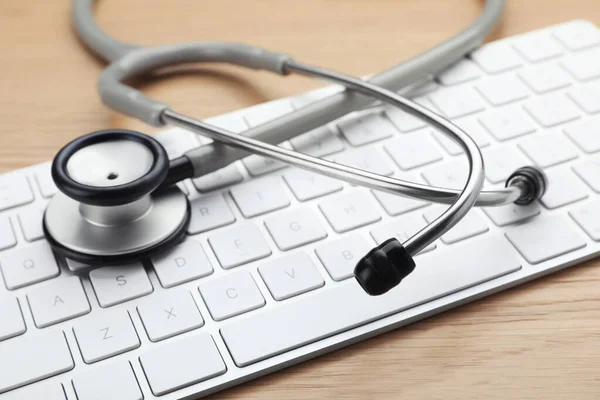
point(540, 340)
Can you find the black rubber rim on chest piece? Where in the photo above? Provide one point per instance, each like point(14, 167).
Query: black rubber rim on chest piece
point(166, 244)
point(110, 195)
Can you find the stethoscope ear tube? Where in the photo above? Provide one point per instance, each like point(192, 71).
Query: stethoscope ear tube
point(460, 204)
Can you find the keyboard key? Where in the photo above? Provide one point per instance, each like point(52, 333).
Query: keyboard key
point(587, 97)
point(58, 300)
point(538, 46)
point(552, 110)
point(545, 78)
point(28, 265)
point(545, 237)
point(366, 128)
point(295, 228)
point(588, 218)
point(231, 295)
point(14, 191)
point(413, 150)
point(177, 141)
point(308, 98)
point(46, 391)
point(266, 112)
point(589, 171)
point(216, 180)
point(30, 219)
point(349, 211)
point(76, 265)
point(290, 276)
point(396, 205)
point(340, 256)
point(511, 213)
point(457, 101)
point(368, 159)
point(307, 185)
point(183, 187)
point(114, 285)
point(585, 134)
point(563, 188)
point(462, 71)
point(105, 335)
point(507, 123)
point(111, 381)
point(231, 122)
point(404, 121)
point(7, 235)
point(496, 57)
point(502, 161)
point(182, 363)
point(402, 228)
point(584, 66)
point(577, 35)
point(502, 90)
point(209, 212)
point(239, 245)
point(318, 142)
point(21, 362)
point(44, 181)
point(260, 196)
point(549, 149)
point(421, 88)
point(472, 224)
point(262, 335)
point(12, 318)
point(451, 175)
point(259, 165)
point(185, 262)
point(168, 314)
point(472, 128)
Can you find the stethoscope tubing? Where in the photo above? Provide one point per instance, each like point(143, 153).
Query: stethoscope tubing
point(129, 62)
point(214, 156)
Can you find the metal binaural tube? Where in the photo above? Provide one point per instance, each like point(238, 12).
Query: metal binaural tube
point(461, 201)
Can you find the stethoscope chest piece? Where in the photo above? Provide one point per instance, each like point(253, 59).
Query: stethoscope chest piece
point(111, 208)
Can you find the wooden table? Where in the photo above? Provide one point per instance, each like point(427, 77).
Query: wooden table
point(540, 340)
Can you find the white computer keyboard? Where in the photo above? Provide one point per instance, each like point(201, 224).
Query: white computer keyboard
point(264, 280)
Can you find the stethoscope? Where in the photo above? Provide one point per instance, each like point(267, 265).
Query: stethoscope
point(118, 201)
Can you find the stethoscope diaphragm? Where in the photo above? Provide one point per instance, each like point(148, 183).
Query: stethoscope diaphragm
point(111, 207)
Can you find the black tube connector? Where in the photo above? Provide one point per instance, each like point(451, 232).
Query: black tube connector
point(384, 267)
point(533, 181)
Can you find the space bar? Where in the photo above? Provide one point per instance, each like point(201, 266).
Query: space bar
point(345, 306)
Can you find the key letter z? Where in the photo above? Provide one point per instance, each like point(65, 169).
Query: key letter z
point(105, 330)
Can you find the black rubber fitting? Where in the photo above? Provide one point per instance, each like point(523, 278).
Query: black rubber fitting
point(384, 267)
point(535, 181)
point(179, 169)
point(110, 195)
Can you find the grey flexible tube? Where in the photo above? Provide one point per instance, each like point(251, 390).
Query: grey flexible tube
point(214, 156)
point(95, 39)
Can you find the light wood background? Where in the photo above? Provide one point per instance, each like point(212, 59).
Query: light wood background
point(541, 340)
